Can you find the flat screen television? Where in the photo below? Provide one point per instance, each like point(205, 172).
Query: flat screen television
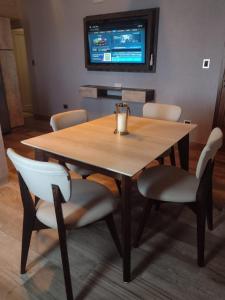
point(122, 41)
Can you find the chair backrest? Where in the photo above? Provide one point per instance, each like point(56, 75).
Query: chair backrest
point(158, 111)
point(40, 176)
point(68, 119)
point(214, 143)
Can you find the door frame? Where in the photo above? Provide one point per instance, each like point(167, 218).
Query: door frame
point(216, 118)
point(27, 107)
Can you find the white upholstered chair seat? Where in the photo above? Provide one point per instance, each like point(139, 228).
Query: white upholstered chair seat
point(168, 184)
point(160, 111)
point(89, 202)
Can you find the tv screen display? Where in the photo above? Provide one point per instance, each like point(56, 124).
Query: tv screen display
point(117, 43)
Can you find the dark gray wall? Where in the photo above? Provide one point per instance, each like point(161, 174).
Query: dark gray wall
point(189, 31)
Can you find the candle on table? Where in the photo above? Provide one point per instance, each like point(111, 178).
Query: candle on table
point(121, 122)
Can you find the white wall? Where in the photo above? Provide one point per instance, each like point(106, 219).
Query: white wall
point(188, 32)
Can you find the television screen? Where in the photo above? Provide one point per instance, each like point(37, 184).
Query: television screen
point(123, 41)
point(117, 43)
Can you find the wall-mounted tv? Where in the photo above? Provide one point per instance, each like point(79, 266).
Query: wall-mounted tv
point(122, 41)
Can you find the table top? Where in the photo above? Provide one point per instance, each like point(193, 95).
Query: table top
point(95, 143)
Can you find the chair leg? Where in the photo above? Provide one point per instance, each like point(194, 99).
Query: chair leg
point(118, 184)
point(201, 218)
point(28, 224)
point(65, 263)
point(172, 156)
point(161, 160)
point(62, 242)
point(157, 205)
point(210, 210)
point(144, 218)
point(113, 231)
point(29, 217)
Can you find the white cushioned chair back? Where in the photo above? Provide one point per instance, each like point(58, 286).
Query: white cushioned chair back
point(158, 111)
point(214, 143)
point(68, 119)
point(40, 176)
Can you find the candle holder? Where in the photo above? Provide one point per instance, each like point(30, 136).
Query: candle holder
point(122, 113)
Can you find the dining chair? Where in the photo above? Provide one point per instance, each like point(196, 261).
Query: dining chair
point(174, 185)
point(166, 112)
point(64, 203)
point(67, 119)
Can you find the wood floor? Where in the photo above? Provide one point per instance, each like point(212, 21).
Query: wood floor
point(164, 267)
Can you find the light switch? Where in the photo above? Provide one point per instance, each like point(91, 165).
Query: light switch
point(206, 63)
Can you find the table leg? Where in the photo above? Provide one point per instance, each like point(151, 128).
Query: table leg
point(183, 147)
point(40, 155)
point(126, 227)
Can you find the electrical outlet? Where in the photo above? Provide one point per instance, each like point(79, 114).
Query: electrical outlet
point(187, 121)
point(65, 106)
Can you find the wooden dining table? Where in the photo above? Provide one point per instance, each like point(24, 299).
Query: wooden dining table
point(93, 145)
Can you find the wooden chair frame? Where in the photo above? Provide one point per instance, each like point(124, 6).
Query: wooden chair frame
point(203, 208)
point(31, 223)
point(171, 153)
